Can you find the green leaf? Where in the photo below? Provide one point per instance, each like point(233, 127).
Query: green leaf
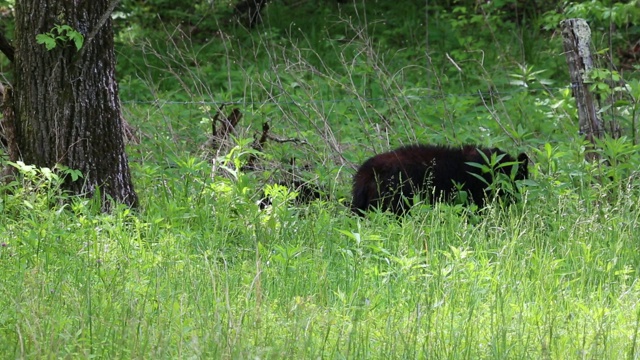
point(46, 39)
point(78, 39)
point(64, 29)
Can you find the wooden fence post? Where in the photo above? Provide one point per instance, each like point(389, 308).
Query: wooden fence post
point(576, 36)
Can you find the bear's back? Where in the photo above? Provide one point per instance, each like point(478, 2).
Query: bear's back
point(390, 180)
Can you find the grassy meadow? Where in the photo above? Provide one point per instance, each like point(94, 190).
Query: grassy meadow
point(200, 271)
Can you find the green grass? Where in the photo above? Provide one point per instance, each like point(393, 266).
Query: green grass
point(199, 271)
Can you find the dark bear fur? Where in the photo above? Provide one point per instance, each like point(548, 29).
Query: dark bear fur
point(391, 180)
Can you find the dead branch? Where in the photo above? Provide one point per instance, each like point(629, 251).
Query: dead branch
point(228, 122)
point(258, 145)
point(6, 47)
point(293, 140)
point(8, 129)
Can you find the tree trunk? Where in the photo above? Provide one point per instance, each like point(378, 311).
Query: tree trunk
point(67, 108)
point(577, 41)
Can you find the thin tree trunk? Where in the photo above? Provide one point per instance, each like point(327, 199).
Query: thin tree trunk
point(66, 101)
point(577, 41)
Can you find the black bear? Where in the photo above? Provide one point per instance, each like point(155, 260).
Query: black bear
point(392, 179)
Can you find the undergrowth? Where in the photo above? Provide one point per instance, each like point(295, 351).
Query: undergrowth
point(201, 270)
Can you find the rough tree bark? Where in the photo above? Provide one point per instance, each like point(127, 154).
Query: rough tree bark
point(66, 104)
point(577, 41)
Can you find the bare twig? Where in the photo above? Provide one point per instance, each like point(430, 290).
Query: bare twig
point(497, 120)
point(293, 140)
point(99, 25)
